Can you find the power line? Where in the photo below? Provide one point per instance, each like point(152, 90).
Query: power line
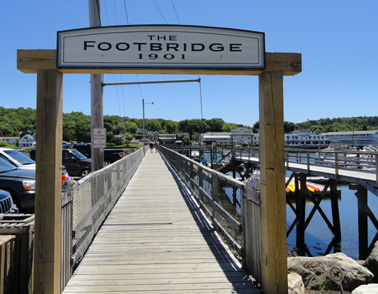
point(174, 8)
point(160, 11)
point(127, 17)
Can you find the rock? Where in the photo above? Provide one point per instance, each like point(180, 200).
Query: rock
point(295, 284)
point(372, 262)
point(315, 271)
point(366, 289)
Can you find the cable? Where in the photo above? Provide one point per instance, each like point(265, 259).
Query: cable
point(174, 8)
point(160, 11)
point(200, 88)
point(106, 14)
point(115, 13)
point(127, 17)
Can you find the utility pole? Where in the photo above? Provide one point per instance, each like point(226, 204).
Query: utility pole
point(97, 108)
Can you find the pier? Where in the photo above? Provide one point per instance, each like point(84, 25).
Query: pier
point(156, 239)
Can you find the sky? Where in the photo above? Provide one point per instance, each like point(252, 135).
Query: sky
point(338, 41)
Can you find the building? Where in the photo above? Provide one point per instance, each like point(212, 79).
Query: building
point(306, 141)
point(240, 136)
point(9, 140)
point(353, 138)
point(27, 141)
point(167, 139)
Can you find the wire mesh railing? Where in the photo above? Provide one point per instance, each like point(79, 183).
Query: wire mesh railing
point(232, 207)
point(88, 206)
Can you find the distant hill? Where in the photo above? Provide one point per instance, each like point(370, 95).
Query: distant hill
point(341, 124)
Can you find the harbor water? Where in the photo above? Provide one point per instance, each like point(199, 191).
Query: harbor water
point(318, 236)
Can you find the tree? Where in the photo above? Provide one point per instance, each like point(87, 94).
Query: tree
point(215, 124)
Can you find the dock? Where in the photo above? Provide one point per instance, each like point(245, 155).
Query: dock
point(156, 240)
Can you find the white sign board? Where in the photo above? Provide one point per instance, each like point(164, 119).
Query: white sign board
point(161, 46)
point(99, 137)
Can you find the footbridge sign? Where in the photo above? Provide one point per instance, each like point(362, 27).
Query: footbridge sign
point(161, 46)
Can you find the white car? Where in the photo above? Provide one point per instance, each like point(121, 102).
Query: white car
point(20, 160)
point(17, 159)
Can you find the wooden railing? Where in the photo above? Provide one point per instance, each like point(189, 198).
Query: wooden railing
point(84, 211)
point(365, 161)
point(232, 207)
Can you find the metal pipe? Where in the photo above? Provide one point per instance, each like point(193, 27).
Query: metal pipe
point(151, 82)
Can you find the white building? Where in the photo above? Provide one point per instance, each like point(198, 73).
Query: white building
point(9, 140)
point(26, 141)
point(353, 138)
point(240, 136)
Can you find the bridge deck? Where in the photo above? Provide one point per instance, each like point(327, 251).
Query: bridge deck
point(156, 241)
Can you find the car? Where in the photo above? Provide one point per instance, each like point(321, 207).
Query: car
point(110, 155)
point(20, 184)
point(76, 163)
point(20, 160)
point(16, 158)
point(6, 203)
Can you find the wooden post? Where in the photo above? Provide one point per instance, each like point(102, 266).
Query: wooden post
point(273, 200)
point(48, 182)
point(301, 211)
point(97, 108)
point(335, 215)
point(362, 222)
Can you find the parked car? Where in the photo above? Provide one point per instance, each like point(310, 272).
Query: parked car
point(20, 184)
point(6, 203)
point(110, 155)
point(76, 164)
point(20, 160)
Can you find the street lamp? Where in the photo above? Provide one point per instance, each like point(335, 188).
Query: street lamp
point(143, 117)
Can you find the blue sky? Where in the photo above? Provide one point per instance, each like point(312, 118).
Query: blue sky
point(338, 41)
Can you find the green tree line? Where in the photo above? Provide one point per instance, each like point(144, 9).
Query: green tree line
point(76, 125)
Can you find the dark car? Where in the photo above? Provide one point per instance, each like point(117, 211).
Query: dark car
point(20, 184)
point(77, 164)
point(110, 155)
point(6, 203)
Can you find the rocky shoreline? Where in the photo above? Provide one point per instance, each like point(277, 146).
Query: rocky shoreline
point(323, 274)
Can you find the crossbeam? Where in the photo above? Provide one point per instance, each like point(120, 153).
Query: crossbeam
point(151, 82)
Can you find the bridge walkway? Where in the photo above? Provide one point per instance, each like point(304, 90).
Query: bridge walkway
point(156, 240)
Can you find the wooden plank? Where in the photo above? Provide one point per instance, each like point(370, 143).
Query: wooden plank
point(48, 182)
point(273, 198)
point(160, 238)
point(30, 61)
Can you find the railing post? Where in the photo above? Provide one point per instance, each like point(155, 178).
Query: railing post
point(376, 168)
point(214, 192)
point(308, 161)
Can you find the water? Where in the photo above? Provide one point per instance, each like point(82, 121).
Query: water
point(318, 236)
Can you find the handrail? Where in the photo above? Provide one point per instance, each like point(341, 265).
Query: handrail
point(87, 207)
point(232, 207)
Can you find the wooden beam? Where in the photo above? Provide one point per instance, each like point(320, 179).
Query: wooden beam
point(29, 61)
point(48, 182)
point(273, 198)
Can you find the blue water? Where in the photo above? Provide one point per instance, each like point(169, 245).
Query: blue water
point(318, 236)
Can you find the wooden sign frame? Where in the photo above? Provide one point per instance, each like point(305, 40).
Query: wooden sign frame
point(49, 130)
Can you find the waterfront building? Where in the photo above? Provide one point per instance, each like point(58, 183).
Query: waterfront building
point(353, 138)
point(27, 141)
point(9, 140)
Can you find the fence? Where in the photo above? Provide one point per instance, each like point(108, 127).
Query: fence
point(84, 211)
point(234, 209)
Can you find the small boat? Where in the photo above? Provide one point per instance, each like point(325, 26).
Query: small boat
point(291, 187)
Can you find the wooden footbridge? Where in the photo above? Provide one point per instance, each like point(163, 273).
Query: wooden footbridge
point(157, 240)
